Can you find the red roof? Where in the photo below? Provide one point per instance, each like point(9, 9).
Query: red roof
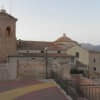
point(64, 38)
point(37, 45)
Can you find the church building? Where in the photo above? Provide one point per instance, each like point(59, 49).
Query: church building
point(20, 59)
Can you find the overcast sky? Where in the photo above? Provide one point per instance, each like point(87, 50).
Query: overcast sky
point(49, 19)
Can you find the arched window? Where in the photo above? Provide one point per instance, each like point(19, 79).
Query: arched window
point(8, 31)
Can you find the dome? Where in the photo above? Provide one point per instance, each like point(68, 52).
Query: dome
point(64, 38)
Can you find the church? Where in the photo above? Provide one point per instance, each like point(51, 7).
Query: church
point(20, 59)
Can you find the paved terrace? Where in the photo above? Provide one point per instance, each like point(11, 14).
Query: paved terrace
point(30, 90)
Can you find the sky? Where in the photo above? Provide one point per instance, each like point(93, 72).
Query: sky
point(46, 20)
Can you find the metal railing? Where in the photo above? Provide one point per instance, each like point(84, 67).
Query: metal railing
point(90, 91)
point(86, 91)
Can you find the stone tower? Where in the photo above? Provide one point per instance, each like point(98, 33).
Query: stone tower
point(7, 35)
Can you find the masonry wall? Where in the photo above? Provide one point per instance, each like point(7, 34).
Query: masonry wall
point(35, 67)
point(7, 36)
point(94, 63)
point(8, 71)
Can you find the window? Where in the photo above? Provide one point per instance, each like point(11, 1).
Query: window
point(94, 68)
point(42, 51)
point(94, 60)
point(59, 51)
point(27, 51)
point(8, 31)
point(33, 58)
point(77, 54)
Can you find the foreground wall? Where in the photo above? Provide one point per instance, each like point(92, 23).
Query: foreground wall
point(8, 71)
point(35, 67)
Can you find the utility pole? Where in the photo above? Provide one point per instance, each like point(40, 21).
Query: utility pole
point(46, 61)
point(88, 72)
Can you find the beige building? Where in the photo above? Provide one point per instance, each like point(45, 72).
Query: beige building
point(90, 59)
point(94, 63)
point(82, 55)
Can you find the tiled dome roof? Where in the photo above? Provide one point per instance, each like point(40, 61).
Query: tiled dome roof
point(64, 38)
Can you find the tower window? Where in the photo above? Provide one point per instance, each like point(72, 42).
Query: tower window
point(8, 31)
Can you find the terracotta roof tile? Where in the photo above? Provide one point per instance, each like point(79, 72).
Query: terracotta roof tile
point(37, 45)
point(64, 38)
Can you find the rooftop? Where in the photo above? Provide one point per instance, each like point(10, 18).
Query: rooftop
point(37, 45)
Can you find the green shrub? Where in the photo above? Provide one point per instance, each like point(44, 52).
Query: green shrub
point(76, 71)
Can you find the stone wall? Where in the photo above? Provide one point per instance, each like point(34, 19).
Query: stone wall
point(94, 62)
point(7, 36)
point(8, 71)
point(35, 67)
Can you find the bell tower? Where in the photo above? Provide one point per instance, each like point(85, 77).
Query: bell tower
point(7, 35)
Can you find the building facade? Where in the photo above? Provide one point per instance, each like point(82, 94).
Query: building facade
point(90, 59)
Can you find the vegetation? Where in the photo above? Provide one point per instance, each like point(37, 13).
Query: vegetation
point(67, 85)
point(76, 71)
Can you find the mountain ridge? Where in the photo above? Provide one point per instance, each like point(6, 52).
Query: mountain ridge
point(89, 46)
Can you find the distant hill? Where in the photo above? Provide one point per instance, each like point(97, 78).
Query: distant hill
point(90, 46)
